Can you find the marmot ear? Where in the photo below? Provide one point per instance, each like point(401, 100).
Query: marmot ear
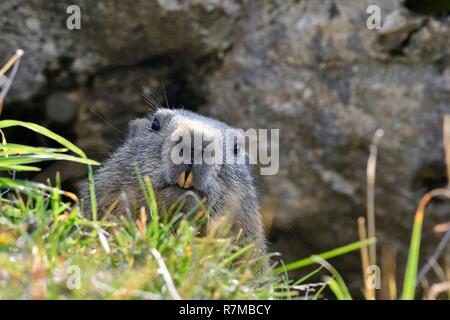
point(137, 125)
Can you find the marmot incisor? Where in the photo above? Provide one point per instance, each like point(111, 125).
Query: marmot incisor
point(228, 188)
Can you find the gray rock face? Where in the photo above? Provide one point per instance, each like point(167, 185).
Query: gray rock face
point(310, 68)
point(113, 33)
point(316, 71)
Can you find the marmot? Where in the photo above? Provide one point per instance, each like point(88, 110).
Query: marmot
point(228, 188)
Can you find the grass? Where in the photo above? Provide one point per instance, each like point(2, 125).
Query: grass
point(48, 247)
point(49, 250)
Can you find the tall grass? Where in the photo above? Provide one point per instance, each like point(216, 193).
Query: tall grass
point(49, 250)
point(410, 281)
point(143, 255)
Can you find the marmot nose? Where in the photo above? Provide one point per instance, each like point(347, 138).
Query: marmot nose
point(185, 179)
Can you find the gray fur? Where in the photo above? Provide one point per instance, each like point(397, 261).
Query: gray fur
point(228, 188)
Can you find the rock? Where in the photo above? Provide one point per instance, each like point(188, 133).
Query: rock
point(113, 33)
point(397, 29)
point(105, 109)
point(61, 109)
point(323, 80)
point(435, 7)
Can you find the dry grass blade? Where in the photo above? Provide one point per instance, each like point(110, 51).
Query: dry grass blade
point(14, 63)
point(166, 275)
point(437, 289)
point(389, 270)
point(447, 145)
point(441, 227)
point(434, 257)
point(39, 274)
point(11, 62)
point(103, 240)
point(447, 270)
point(141, 223)
point(368, 292)
point(371, 171)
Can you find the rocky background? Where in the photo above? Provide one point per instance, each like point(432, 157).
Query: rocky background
point(309, 67)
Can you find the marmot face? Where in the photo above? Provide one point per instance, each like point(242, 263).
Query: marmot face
point(214, 169)
point(155, 145)
point(156, 142)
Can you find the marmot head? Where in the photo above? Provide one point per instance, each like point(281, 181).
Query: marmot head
point(187, 156)
point(180, 151)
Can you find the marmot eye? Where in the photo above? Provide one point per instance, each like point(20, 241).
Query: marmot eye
point(156, 126)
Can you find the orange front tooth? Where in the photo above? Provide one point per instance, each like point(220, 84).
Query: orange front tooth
point(181, 179)
point(189, 179)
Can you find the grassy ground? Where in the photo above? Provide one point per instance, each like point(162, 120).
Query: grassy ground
point(48, 250)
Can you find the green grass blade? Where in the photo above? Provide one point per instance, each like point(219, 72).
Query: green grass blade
point(17, 167)
point(92, 192)
point(317, 295)
point(151, 198)
point(64, 142)
point(24, 185)
point(337, 284)
point(44, 131)
point(337, 289)
point(308, 276)
point(409, 284)
point(238, 253)
point(325, 255)
point(20, 149)
point(34, 158)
